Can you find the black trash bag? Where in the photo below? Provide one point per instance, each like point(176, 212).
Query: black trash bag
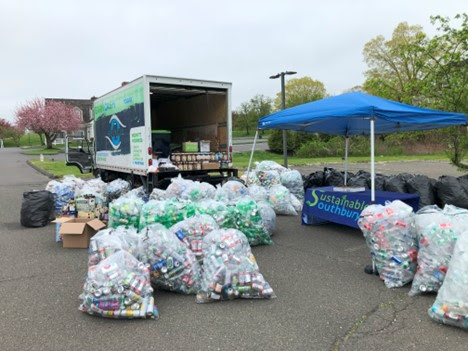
point(332, 177)
point(314, 180)
point(424, 186)
point(360, 179)
point(452, 191)
point(379, 182)
point(397, 183)
point(37, 209)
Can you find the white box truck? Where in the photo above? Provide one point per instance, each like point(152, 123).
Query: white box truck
point(128, 119)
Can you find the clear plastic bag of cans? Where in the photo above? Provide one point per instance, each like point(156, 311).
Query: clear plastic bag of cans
point(191, 232)
point(268, 178)
point(179, 188)
point(268, 216)
point(437, 232)
point(97, 184)
point(157, 194)
point(269, 166)
point(172, 264)
point(451, 304)
point(258, 193)
point(166, 212)
point(216, 209)
point(248, 219)
point(139, 192)
point(201, 191)
point(119, 287)
point(230, 191)
point(125, 211)
point(63, 196)
point(72, 181)
point(251, 179)
point(391, 237)
point(296, 203)
point(230, 270)
point(292, 180)
point(116, 189)
point(279, 199)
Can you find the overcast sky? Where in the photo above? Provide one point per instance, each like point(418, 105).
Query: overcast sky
point(77, 49)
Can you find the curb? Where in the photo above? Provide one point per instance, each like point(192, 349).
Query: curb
point(40, 170)
point(25, 153)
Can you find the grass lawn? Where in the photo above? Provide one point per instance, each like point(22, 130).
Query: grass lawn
point(27, 140)
point(42, 151)
point(241, 159)
point(59, 168)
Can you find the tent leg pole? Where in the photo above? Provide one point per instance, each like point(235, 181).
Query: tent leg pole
point(346, 161)
point(251, 155)
point(372, 138)
point(285, 149)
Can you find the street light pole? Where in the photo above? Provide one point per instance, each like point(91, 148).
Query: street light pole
point(283, 106)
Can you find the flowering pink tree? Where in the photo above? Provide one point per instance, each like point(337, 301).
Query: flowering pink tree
point(8, 130)
point(48, 118)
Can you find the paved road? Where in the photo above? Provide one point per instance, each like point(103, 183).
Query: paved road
point(325, 301)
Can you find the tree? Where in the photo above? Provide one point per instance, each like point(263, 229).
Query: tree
point(299, 91)
point(8, 130)
point(422, 71)
point(48, 118)
point(248, 113)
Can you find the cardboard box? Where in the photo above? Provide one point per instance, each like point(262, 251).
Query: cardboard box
point(189, 146)
point(76, 232)
point(210, 165)
point(58, 223)
point(204, 145)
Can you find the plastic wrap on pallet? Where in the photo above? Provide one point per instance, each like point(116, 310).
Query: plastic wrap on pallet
point(157, 194)
point(248, 219)
point(64, 195)
point(451, 304)
point(125, 211)
point(165, 212)
point(230, 269)
point(191, 231)
point(216, 209)
point(437, 231)
point(230, 191)
point(173, 265)
point(119, 287)
point(391, 237)
point(279, 198)
point(292, 179)
point(258, 193)
point(116, 189)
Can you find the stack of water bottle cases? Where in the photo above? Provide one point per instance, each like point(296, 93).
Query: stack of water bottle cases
point(192, 238)
point(428, 248)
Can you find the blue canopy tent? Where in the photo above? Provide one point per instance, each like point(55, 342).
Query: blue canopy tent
point(358, 114)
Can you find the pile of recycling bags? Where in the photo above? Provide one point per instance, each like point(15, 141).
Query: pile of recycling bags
point(119, 287)
point(64, 194)
point(91, 199)
point(125, 211)
point(391, 238)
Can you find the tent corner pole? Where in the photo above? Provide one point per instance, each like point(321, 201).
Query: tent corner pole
point(346, 161)
point(285, 148)
point(372, 140)
point(251, 155)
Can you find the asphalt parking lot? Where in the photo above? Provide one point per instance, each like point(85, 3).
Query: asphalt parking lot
point(324, 300)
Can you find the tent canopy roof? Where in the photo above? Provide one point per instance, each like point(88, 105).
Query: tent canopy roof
point(349, 114)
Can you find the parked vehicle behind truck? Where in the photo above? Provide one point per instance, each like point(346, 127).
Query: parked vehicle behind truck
point(146, 127)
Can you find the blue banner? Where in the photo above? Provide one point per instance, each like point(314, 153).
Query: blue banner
point(325, 204)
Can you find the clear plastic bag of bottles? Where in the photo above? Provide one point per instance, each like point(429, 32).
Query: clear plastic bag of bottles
point(191, 232)
point(279, 199)
point(216, 209)
point(268, 178)
point(230, 269)
point(391, 237)
point(63, 196)
point(251, 179)
point(268, 216)
point(200, 191)
point(258, 193)
point(296, 203)
point(437, 231)
point(119, 287)
point(179, 188)
point(139, 192)
point(248, 219)
point(269, 166)
point(166, 212)
point(74, 182)
point(230, 191)
point(116, 189)
point(451, 304)
point(292, 180)
point(157, 194)
point(172, 264)
point(125, 211)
